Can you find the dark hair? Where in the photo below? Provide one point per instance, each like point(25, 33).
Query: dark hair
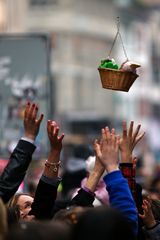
point(102, 223)
point(39, 230)
point(13, 216)
point(70, 215)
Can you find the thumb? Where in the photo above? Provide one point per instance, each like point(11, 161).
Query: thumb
point(97, 149)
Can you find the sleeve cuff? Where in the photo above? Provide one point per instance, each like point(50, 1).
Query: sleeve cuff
point(112, 176)
point(88, 191)
point(54, 182)
point(157, 223)
point(27, 139)
point(25, 146)
point(127, 170)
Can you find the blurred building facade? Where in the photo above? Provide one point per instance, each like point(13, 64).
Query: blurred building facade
point(81, 34)
point(141, 24)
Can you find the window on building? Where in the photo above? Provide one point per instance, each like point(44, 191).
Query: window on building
point(42, 2)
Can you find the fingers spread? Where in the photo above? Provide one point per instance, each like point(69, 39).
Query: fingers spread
point(40, 118)
point(32, 111)
point(136, 132)
point(97, 148)
point(131, 129)
point(124, 127)
point(103, 134)
point(27, 110)
point(61, 137)
point(35, 111)
point(139, 137)
point(113, 138)
point(108, 134)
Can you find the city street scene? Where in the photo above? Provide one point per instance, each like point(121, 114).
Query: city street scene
point(80, 119)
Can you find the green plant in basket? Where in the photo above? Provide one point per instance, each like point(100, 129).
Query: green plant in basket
point(109, 63)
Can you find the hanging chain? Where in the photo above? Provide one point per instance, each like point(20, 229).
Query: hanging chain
point(118, 33)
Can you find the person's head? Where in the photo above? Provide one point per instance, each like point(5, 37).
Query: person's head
point(39, 230)
point(69, 215)
point(23, 202)
point(3, 219)
point(102, 223)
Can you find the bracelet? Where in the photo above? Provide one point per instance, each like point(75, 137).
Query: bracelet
point(53, 165)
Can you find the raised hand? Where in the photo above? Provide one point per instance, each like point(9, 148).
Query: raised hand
point(147, 216)
point(129, 140)
point(109, 149)
point(55, 140)
point(31, 123)
point(98, 167)
point(97, 171)
point(53, 162)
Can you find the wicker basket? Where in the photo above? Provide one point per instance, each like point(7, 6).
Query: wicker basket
point(116, 79)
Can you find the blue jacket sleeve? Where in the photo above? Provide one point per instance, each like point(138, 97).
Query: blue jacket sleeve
point(121, 198)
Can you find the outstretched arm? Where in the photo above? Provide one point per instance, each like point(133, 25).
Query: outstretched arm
point(46, 191)
point(53, 162)
point(20, 159)
point(117, 186)
point(151, 226)
point(85, 196)
point(147, 215)
point(97, 171)
point(129, 139)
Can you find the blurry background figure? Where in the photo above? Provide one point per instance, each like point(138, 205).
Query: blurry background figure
point(154, 138)
point(75, 169)
point(101, 192)
point(39, 230)
point(102, 221)
point(154, 188)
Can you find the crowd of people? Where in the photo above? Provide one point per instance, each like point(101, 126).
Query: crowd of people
point(122, 210)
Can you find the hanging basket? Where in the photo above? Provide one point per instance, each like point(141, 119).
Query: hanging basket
point(116, 79)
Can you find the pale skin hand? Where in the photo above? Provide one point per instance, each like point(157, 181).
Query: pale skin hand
point(98, 167)
point(97, 171)
point(129, 140)
point(147, 216)
point(109, 149)
point(31, 123)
